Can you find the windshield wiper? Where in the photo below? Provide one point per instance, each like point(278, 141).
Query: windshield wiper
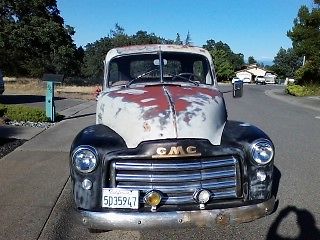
point(141, 75)
point(181, 76)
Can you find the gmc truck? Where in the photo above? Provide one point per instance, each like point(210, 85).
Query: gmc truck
point(162, 153)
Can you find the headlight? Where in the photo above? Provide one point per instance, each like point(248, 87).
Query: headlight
point(262, 151)
point(85, 159)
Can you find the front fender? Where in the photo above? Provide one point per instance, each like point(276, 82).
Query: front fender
point(242, 135)
point(104, 140)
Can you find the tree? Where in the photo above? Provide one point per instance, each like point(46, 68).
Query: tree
point(95, 52)
point(226, 61)
point(286, 63)
point(251, 60)
point(34, 40)
point(178, 40)
point(305, 36)
point(188, 40)
point(224, 68)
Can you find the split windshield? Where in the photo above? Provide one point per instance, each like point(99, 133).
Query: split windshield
point(146, 69)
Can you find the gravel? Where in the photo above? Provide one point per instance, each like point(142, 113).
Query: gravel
point(8, 145)
point(45, 125)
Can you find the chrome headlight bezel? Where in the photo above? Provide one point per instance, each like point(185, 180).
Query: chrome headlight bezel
point(93, 158)
point(259, 146)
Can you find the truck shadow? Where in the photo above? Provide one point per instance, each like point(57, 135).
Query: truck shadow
point(305, 220)
point(275, 185)
point(79, 116)
point(22, 99)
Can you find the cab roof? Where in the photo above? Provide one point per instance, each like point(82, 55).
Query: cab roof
point(154, 48)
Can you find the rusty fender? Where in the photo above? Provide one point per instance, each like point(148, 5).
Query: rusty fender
point(177, 219)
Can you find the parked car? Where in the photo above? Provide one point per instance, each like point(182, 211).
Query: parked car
point(246, 80)
point(1, 83)
point(260, 80)
point(162, 153)
point(270, 80)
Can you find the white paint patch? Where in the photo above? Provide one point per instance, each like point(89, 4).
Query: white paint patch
point(317, 117)
point(148, 100)
point(132, 92)
point(206, 119)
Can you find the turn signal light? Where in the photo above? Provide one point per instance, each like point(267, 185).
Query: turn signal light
point(153, 198)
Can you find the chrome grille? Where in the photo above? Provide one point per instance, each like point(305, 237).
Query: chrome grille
point(178, 179)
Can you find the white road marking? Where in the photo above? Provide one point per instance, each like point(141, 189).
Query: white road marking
point(317, 117)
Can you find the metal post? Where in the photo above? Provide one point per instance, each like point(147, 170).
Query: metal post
point(51, 79)
point(50, 108)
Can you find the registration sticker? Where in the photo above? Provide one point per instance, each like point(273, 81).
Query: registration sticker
point(120, 198)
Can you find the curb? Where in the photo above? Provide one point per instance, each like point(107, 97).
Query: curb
point(291, 99)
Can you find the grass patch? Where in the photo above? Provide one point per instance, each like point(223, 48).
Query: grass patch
point(23, 113)
point(305, 90)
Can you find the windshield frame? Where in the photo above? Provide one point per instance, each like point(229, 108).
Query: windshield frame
point(208, 78)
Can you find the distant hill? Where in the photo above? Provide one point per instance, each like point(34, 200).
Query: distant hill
point(266, 61)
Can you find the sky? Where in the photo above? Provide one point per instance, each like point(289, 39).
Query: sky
point(252, 27)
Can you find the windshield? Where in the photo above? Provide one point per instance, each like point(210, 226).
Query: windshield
point(145, 68)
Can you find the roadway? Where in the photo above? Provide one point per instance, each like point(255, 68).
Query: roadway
point(294, 129)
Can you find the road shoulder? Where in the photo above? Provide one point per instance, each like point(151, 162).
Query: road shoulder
point(312, 103)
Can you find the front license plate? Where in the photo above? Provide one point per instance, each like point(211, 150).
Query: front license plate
point(120, 198)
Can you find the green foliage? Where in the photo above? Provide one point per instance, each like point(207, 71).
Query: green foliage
point(33, 39)
point(305, 36)
point(188, 41)
point(286, 63)
point(2, 109)
point(251, 60)
point(225, 60)
point(295, 90)
point(224, 68)
point(95, 52)
point(23, 113)
point(306, 90)
point(178, 40)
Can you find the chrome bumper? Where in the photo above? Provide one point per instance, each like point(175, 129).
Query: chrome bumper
point(177, 219)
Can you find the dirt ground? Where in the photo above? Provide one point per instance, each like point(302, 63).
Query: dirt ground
point(38, 88)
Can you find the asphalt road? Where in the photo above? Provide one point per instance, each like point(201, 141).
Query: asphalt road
point(296, 135)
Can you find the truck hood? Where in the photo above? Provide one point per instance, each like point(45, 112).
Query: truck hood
point(144, 113)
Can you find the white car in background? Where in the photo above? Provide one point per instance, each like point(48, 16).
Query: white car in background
point(260, 80)
point(270, 80)
point(246, 80)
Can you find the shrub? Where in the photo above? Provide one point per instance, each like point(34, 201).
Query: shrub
point(306, 90)
point(295, 90)
point(2, 109)
point(24, 113)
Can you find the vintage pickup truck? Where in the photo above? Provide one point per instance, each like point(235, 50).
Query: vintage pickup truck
point(162, 153)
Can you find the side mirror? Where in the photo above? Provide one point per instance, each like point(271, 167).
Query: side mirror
point(237, 89)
